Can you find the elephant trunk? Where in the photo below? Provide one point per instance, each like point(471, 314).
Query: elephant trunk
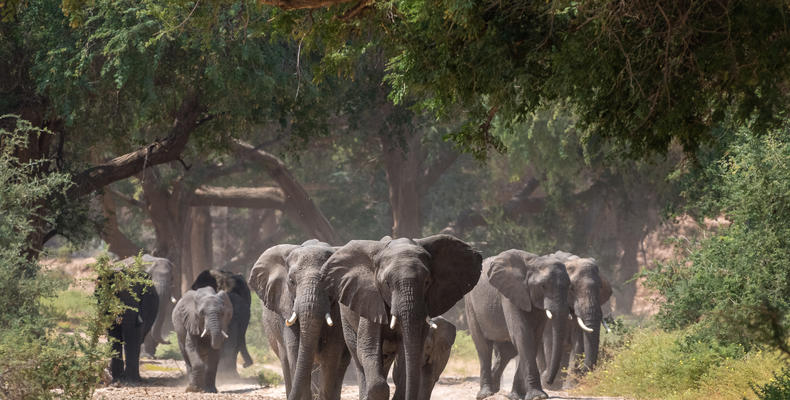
point(591, 341)
point(310, 311)
point(215, 332)
point(412, 317)
point(558, 331)
point(165, 308)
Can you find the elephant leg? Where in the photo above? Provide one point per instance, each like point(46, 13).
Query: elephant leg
point(212, 361)
point(334, 363)
point(350, 338)
point(523, 328)
point(149, 347)
point(116, 362)
point(484, 348)
point(132, 331)
point(517, 391)
point(197, 369)
point(503, 353)
point(369, 353)
point(399, 377)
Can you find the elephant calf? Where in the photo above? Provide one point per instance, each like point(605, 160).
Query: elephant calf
point(238, 291)
point(201, 319)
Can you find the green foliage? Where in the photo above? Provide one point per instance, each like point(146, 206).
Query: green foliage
point(463, 347)
point(169, 351)
point(654, 364)
point(35, 358)
point(735, 285)
point(778, 388)
point(269, 378)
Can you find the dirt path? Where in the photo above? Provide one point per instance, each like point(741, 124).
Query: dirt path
point(164, 379)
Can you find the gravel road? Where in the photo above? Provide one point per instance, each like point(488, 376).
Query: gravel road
point(164, 379)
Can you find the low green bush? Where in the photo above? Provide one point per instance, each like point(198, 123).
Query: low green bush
point(653, 364)
point(268, 378)
point(777, 388)
point(464, 347)
point(169, 351)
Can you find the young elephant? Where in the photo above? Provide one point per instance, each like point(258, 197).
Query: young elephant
point(518, 294)
point(130, 328)
point(298, 318)
point(436, 353)
point(238, 291)
point(201, 320)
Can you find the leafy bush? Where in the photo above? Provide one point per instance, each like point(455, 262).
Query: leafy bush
point(37, 359)
point(654, 364)
point(267, 378)
point(735, 286)
point(778, 388)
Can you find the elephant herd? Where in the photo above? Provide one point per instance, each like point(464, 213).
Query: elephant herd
point(376, 305)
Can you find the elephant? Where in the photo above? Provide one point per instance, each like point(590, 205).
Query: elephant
point(201, 319)
point(436, 353)
point(388, 290)
point(131, 327)
point(588, 292)
point(518, 293)
point(161, 272)
point(238, 291)
point(298, 318)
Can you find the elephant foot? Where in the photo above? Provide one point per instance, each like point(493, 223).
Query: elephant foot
point(192, 389)
point(211, 389)
point(513, 396)
point(485, 391)
point(247, 363)
point(536, 394)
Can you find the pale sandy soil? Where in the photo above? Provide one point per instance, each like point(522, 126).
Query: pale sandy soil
point(164, 379)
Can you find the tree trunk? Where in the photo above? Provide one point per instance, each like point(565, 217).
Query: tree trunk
point(200, 243)
point(119, 243)
point(402, 166)
point(298, 204)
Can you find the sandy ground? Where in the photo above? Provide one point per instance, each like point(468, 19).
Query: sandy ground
point(164, 379)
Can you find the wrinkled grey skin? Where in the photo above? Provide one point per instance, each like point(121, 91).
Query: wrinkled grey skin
point(436, 353)
point(287, 279)
point(588, 292)
point(507, 311)
point(161, 272)
point(408, 279)
point(130, 329)
point(207, 313)
point(238, 291)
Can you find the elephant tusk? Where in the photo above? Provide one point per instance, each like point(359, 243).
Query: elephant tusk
point(581, 324)
point(224, 334)
point(292, 320)
point(431, 323)
point(570, 317)
point(204, 332)
point(139, 320)
point(173, 300)
point(548, 314)
point(606, 326)
point(393, 321)
point(328, 319)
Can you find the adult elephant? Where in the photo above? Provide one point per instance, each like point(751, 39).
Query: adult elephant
point(239, 293)
point(201, 319)
point(161, 272)
point(299, 317)
point(131, 327)
point(588, 292)
point(387, 290)
point(517, 295)
point(436, 352)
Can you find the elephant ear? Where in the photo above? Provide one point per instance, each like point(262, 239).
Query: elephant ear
point(185, 314)
point(269, 279)
point(205, 279)
point(351, 279)
point(509, 273)
point(455, 270)
point(227, 308)
point(606, 291)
